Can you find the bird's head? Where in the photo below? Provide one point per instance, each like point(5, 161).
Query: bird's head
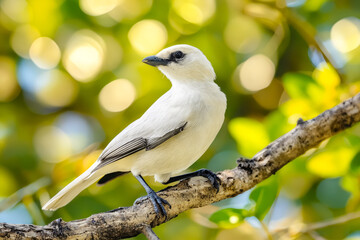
point(182, 63)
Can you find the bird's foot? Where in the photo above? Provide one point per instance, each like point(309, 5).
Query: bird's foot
point(213, 178)
point(140, 199)
point(158, 203)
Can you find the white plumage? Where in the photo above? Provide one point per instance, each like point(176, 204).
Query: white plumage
point(194, 99)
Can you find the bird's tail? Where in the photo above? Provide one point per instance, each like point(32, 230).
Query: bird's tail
point(69, 192)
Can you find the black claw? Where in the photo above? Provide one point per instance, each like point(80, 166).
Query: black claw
point(214, 179)
point(158, 203)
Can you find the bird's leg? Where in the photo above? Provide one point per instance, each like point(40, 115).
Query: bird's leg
point(157, 201)
point(215, 181)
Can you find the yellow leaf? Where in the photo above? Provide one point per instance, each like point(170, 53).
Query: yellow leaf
point(326, 76)
point(296, 108)
point(332, 163)
point(250, 135)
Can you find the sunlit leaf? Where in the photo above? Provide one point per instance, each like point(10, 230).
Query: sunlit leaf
point(329, 79)
point(250, 135)
point(351, 183)
point(298, 108)
point(332, 163)
point(299, 85)
point(229, 217)
point(264, 196)
point(326, 76)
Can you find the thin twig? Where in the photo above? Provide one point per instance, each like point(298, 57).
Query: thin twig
point(335, 221)
point(149, 233)
point(315, 235)
point(266, 230)
point(30, 189)
point(310, 228)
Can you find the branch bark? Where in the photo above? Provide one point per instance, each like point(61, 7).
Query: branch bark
point(198, 192)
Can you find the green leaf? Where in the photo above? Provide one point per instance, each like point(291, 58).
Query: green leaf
point(276, 124)
point(229, 217)
point(351, 184)
point(355, 164)
point(264, 196)
point(299, 85)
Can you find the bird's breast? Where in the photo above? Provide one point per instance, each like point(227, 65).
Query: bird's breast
point(203, 110)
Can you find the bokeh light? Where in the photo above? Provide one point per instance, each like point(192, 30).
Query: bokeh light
point(294, 3)
point(148, 36)
point(56, 117)
point(22, 38)
point(269, 97)
point(52, 144)
point(79, 128)
point(257, 72)
point(9, 87)
point(195, 11)
point(89, 160)
point(130, 9)
point(113, 57)
point(28, 73)
point(15, 10)
point(84, 55)
point(96, 7)
point(55, 88)
point(242, 34)
point(345, 34)
point(117, 95)
point(45, 53)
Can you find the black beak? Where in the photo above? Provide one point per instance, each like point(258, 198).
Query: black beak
point(155, 61)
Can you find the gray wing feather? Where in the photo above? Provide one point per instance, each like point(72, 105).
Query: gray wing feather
point(154, 142)
point(125, 150)
point(133, 146)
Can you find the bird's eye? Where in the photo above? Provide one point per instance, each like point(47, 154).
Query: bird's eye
point(178, 54)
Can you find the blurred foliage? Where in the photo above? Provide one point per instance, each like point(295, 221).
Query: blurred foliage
point(71, 78)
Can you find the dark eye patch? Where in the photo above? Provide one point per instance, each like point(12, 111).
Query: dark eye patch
point(176, 56)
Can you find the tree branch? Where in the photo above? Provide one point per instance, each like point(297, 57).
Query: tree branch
point(198, 192)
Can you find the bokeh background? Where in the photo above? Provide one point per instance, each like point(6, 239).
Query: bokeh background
point(71, 78)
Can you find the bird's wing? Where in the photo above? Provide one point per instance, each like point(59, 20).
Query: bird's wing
point(115, 153)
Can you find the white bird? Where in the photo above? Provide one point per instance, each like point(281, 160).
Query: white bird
point(169, 137)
